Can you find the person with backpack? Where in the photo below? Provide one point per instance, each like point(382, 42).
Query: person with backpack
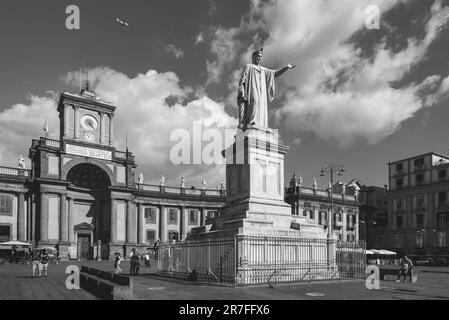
point(45, 258)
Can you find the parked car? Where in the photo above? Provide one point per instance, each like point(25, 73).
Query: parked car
point(440, 262)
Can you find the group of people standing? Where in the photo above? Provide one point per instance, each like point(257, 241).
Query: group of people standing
point(135, 259)
point(39, 261)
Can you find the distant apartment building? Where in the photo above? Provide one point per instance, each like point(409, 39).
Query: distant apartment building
point(418, 206)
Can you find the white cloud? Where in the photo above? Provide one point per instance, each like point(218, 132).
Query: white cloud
point(336, 92)
point(148, 120)
point(22, 122)
point(142, 112)
point(172, 49)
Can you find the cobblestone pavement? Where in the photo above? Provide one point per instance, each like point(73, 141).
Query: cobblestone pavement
point(16, 283)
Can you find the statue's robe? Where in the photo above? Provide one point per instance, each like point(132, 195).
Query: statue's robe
point(258, 83)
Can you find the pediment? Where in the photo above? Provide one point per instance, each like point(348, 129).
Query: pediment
point(84, 226)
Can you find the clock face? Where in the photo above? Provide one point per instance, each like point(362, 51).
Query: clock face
point(88, 122)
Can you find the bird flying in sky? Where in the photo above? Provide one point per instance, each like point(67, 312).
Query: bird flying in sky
point(123, 23)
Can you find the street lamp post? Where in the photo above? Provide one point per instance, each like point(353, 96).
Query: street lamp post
point(330, 169)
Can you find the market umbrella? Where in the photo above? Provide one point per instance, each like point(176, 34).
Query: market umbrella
point(15, 243)
point(387, 252)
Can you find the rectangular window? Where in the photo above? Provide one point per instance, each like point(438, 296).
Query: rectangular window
point(419, 179)
point(399, 183)
point(172, 216)
point(442, 196)
point(419, 240)
point(420, 203)
point(442, 239)
point(151, 236)
point(399, 221)
point(398, 242)
point(211, 214)
point(419, 220)
point(312, 214)
point(150, 215)
point(442, 219)
point(399, 168)
point(442, 175)
point(193, 217)
point(419, 163)
point(400, 204)
point(350, 220)
point(5, 233)
point(6, 204)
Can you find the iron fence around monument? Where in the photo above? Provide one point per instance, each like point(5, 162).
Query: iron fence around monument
point(256, 260)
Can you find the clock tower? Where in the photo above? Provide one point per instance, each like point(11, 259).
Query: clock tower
point(86, 118)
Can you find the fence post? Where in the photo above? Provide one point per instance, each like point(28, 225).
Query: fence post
point(208, 259)
point(188, 257)
point(235, 261)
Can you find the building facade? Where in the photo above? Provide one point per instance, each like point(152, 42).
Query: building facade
point(418, 206)
point(80, 194)
point(315, 205)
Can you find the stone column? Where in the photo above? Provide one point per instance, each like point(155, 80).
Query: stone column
point(21, 218)
point(162, 224)
point(70, 231)
point(111, 129)
point(98, 220)
point(28, 218)
point(113, 221)
point(63, 236)
point(33, 219)
point(44, 217)
point(203, 217)
point(77, 122)
point(66, 120)
point(140, 224)
point(102, 127)
point(183, 223)
point(131, 225)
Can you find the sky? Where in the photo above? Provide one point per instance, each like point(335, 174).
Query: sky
point(358, 96)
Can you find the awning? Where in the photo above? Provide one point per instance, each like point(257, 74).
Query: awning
point(15, 243)
point(381, 252)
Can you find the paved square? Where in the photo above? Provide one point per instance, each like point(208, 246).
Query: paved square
point(16, 283)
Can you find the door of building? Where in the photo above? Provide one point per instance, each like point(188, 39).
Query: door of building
point(83, 246)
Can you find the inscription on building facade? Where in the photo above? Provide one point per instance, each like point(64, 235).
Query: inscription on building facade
point(88, 152)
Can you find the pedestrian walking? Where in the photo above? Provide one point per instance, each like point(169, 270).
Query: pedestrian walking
point(134, 262)
point(117, 261)
point(403, 271)
point(35, 263)
point(156, 248)
point(147, 259)
point(44, 262)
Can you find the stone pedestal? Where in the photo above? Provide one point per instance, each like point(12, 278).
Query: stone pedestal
point(255, 192)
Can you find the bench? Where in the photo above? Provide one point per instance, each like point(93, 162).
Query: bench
point(106, 285)
point(394, 272)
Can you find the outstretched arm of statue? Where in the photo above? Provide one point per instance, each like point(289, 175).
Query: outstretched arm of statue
point(282, 70)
